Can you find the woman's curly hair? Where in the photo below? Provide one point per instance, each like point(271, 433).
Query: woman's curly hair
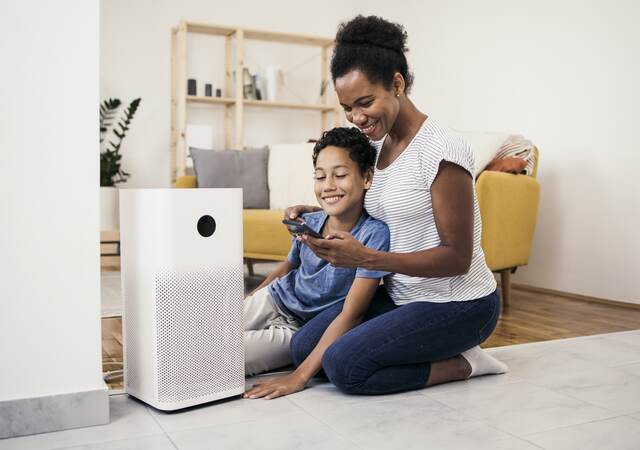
point(353, 141)
point(374, 46)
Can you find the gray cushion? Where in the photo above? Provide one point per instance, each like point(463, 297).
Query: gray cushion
point(246, 169)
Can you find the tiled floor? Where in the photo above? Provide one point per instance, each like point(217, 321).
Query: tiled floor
point(581, 393)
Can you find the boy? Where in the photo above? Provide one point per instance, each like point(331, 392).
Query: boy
point(305, 285)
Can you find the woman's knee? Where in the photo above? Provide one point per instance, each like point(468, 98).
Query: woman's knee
point(337, 364)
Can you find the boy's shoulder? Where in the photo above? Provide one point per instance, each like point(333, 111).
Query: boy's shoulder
point(372, 229)
point(374, 225)
point(371, 221)
point(373, 233)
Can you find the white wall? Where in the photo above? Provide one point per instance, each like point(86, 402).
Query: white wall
point(561, 73)
point(565, 74)
point(49, 269)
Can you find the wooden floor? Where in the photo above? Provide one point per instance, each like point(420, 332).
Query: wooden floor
point(531, 317)
point(112, 350)
point(534, 317)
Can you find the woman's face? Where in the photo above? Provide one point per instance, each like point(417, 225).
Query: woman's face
point(369, 106)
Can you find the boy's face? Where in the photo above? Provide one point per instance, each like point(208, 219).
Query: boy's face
point(339, 185)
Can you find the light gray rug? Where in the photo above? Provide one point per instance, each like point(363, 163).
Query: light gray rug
point(111, 305)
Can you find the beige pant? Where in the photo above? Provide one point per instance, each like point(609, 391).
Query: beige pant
point(267, 333)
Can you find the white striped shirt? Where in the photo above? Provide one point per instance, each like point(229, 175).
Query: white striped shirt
point(400, 196)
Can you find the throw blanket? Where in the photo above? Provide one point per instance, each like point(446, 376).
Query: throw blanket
point(516, 155)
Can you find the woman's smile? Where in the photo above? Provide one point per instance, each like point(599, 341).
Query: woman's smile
point(369, 128)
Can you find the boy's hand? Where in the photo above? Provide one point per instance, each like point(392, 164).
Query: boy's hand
point(277, 387)
point(340, 248)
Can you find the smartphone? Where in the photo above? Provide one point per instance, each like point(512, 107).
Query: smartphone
point(296, 227)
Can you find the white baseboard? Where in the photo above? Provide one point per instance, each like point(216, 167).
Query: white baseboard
point(53, 413)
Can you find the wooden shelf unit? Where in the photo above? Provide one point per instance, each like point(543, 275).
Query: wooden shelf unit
point(233, 99)
point(210, 100)
point(259, 103)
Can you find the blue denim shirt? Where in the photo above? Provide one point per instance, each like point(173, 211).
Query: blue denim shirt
point(316, 284)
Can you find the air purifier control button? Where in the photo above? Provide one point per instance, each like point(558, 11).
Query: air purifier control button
point(206, 226)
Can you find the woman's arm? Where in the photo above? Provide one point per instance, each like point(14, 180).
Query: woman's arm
point(355, 306)
point(452, 200)
point(281, 270)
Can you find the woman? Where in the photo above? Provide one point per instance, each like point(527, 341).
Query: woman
point(440, 302)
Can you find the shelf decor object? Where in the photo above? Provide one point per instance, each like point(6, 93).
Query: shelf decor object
point(192, 87)
point(232, 96)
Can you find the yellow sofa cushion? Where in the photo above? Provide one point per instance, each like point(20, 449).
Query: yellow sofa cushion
point(187, 182)
point(265, 237)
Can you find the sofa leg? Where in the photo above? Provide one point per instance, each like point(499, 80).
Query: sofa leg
point(250, 267)
point(505, 284)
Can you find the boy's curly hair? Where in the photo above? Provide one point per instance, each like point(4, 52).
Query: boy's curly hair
point(353, 141)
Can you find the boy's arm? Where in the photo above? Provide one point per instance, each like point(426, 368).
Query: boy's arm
point(281, 270)
point(355, 306)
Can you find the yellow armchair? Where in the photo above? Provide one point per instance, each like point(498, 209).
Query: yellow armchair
point(508, 207)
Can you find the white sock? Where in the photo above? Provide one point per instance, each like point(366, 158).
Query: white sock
point(483, 363)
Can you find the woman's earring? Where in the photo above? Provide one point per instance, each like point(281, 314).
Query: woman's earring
point(397, 95)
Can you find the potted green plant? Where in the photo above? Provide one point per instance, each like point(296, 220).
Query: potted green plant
point(112, 133)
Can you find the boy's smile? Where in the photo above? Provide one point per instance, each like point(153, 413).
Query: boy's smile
point(333, 199)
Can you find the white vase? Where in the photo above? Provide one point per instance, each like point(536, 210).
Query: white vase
point(109, 213)
point(272, 82)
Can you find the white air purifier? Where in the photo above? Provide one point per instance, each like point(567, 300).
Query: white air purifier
point(183, 289)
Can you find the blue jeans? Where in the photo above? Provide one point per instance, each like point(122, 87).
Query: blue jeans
point(392, 350)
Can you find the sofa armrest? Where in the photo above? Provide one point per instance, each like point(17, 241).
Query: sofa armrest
point(508, 207)
point(186, 182)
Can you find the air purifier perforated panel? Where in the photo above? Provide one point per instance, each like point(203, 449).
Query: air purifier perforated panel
point(133, 350)
point(198, 332)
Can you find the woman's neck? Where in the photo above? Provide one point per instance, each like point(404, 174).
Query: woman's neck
point(408, 122)
point(343, 222)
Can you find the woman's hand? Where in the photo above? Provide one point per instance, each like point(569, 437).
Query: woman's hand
point(277, 387)
point(293, 212)
point(340, 248)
